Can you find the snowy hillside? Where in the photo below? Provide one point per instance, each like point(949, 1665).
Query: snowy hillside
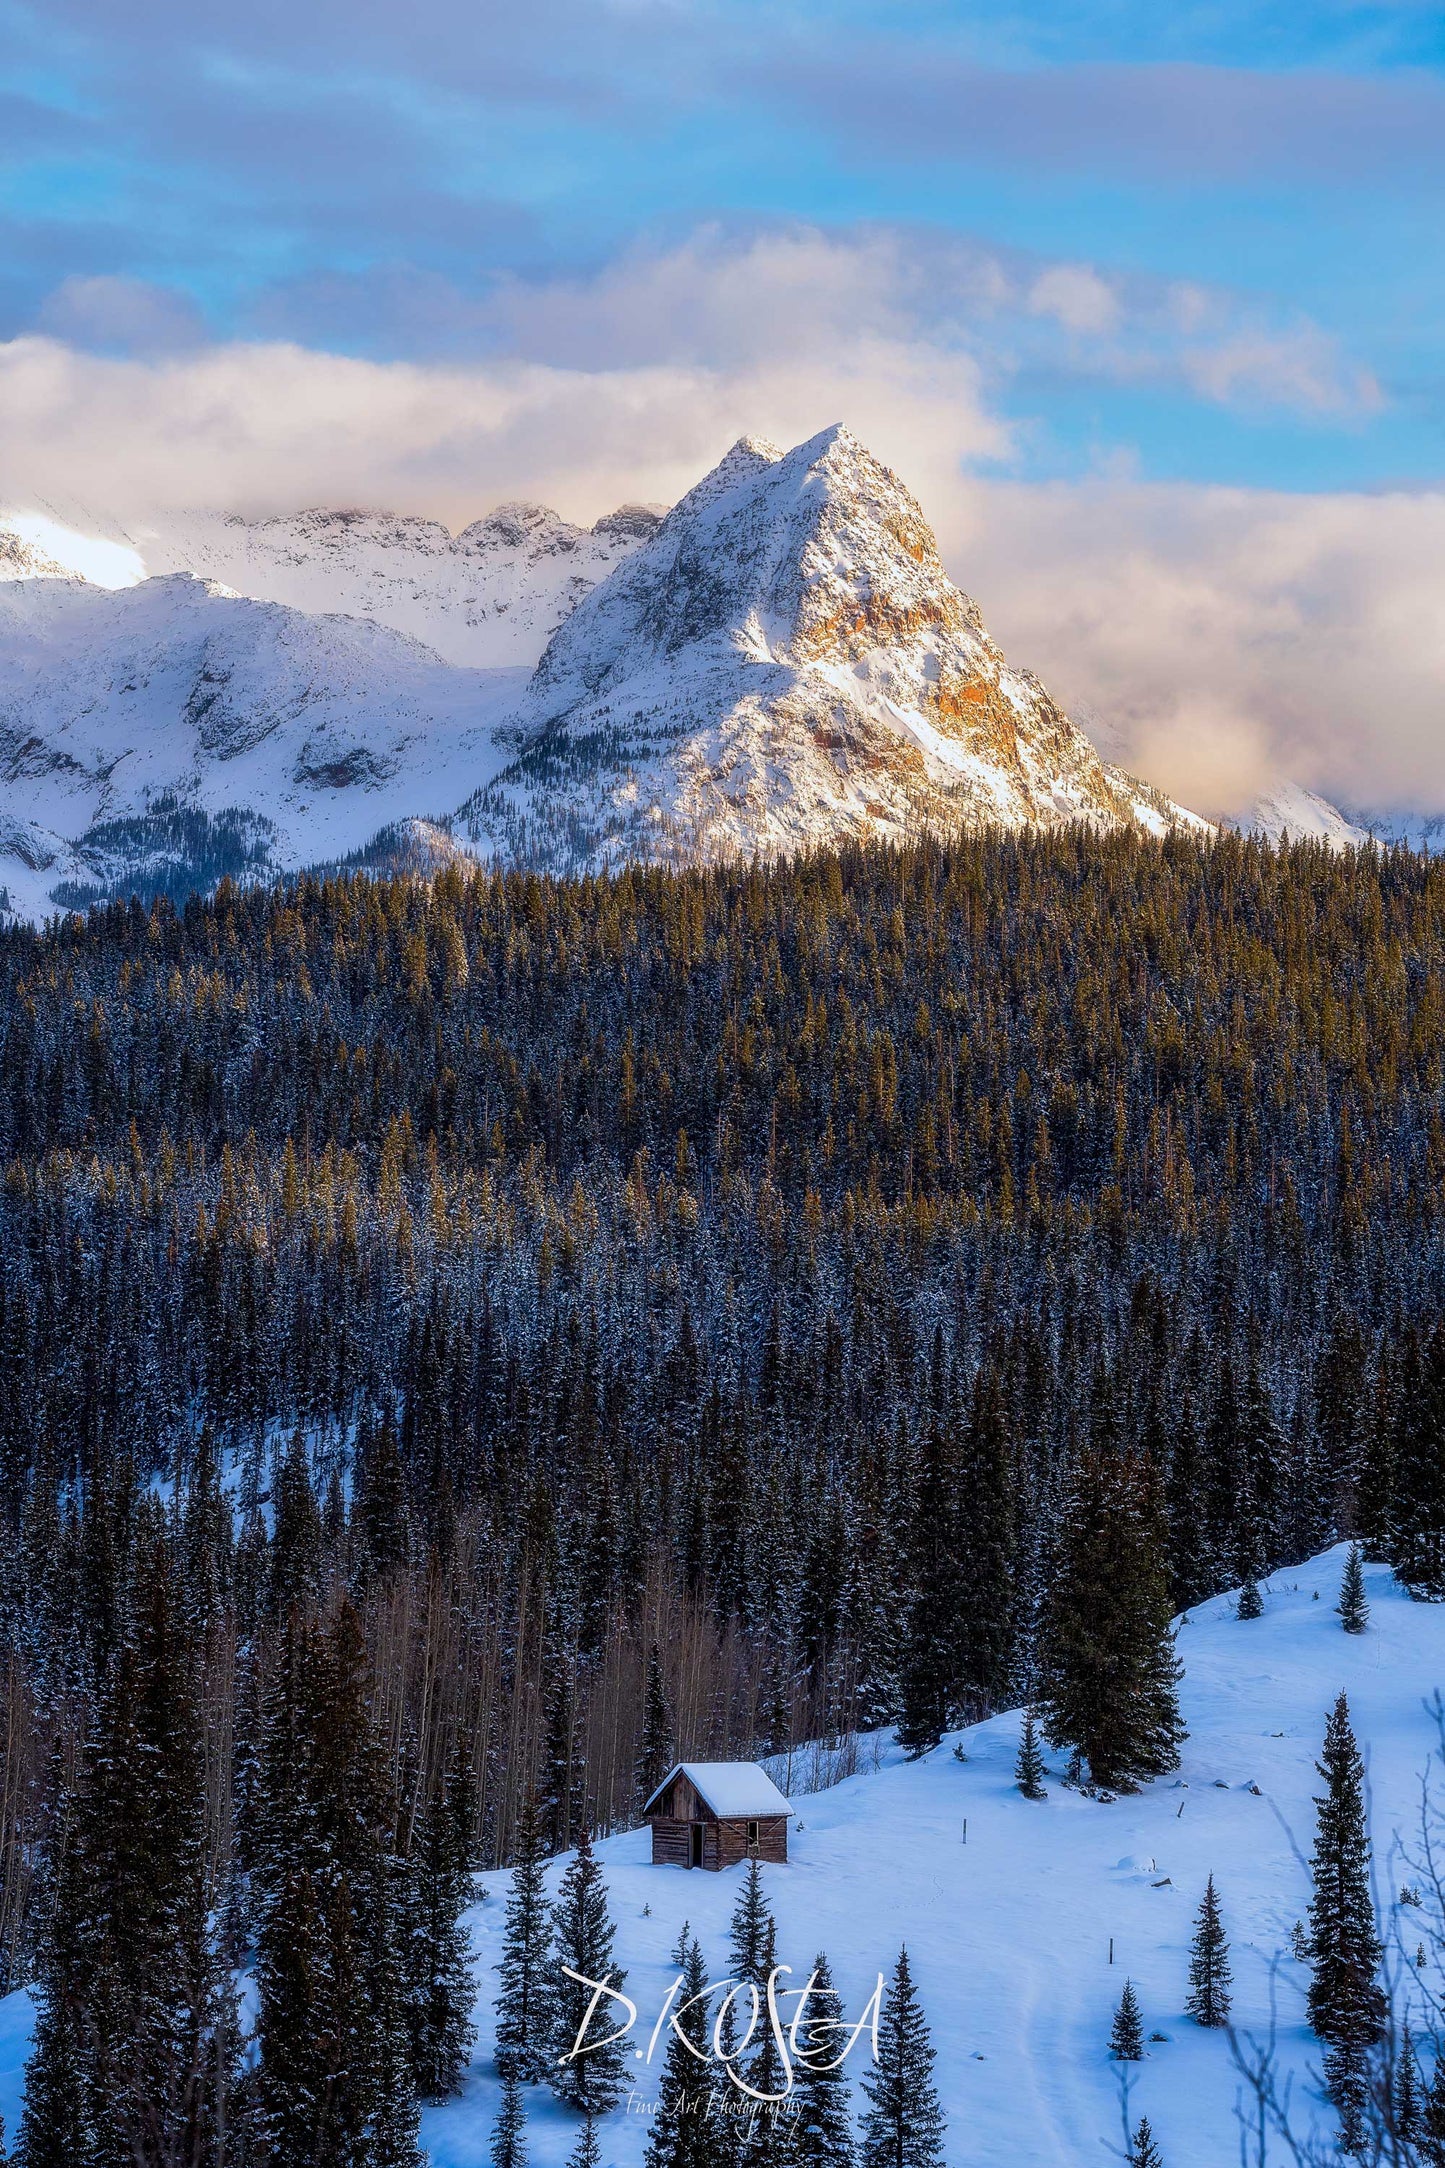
point(122, 710)
point(1010, 1930)
point(488, 598)
point(785, 663)
point(1288, 810)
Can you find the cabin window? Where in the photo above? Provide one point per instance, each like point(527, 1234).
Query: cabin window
point(752, 1832)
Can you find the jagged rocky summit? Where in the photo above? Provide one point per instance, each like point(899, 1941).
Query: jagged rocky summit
point(785, 663)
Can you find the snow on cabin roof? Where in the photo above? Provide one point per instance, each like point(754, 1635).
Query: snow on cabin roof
point(732, 1789)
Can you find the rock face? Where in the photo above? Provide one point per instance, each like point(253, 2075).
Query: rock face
point(487, 598)
point(783, 663)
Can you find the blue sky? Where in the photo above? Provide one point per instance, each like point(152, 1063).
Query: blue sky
point(363, 178)
point(1145, 301)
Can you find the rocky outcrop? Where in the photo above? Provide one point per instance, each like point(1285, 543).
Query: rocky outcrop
point(785, 663)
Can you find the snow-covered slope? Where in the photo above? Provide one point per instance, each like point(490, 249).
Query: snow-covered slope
point(488, 598)
point(1289, 812)
point(786, 663)
point(122, 710)
point(1009, 1932)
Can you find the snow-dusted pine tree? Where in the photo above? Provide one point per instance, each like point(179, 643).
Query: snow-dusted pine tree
point(1143, 2152)
point(1029, 1769)
point(904, 2124)
point(582, 1953)
point(1354, 1608)
point(1346, 2005)
point(509, 2133)
point(822, 2128)
point(1126, 2035)
point(524, 1999)
point(749, 1931)
point(1209, 1974)
point(656, 1753)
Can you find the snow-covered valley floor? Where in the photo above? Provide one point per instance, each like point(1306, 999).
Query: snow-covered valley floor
point(1009, 1932)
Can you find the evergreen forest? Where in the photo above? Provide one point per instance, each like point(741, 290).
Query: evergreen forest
point(463, 1341)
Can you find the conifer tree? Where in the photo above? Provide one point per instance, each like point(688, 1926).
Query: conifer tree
point(1346, 2005)
point(1408, 2105)
point(57, 2124)
point(1110, 1674)
point(1251, 1603)
point(1143, 2152)
point(524, 1999)
point(657, 1752)
point(592, 2080)
point(1029, 1771)
point(509, 2132)
point(751, 1921)
point(587, 2152)
point(561, 1791)
point(1209, 1972)
point(929, 1672)
point(903, 2125)
point(822, 2131)
point(1354, 1608)
point(680, 2135)
point(768, 2136)
point(440, 1986)
point(1126, 2035)
point(1418, 1505)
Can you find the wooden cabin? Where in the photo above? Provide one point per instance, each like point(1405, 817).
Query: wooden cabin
point(712, 1814)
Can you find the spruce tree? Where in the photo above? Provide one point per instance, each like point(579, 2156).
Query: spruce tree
point(822, 2131)
point(1346, 2005)
point(1354, 1606)
point(509, 2132)
point(1126, 2035)
point(903, 2124)
point(768, 2134)
point(929, 1672)
point(524, 1999)
point(1110, 1674)
point(680, 2135)
point(1407, 2099)
point(1029, 1771)
point(582, 1937)
point(587, 2152)
point(657, 1752)
point(749, 1930)
point(1143, 2152)
point(57, 2123)
point(1251, 1603)
point(1418, 1505)
point(440, 1986)
point(1209, 1973)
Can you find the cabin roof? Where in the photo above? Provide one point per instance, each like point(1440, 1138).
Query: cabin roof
point(730, 1789)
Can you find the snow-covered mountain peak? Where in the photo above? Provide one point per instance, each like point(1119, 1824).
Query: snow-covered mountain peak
point(785, 663)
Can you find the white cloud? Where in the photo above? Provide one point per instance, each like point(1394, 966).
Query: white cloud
point(1225, 635)
point(272, 427)
point(1076, 297)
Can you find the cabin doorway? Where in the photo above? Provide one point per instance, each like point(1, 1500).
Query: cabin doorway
point(695, 1860)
